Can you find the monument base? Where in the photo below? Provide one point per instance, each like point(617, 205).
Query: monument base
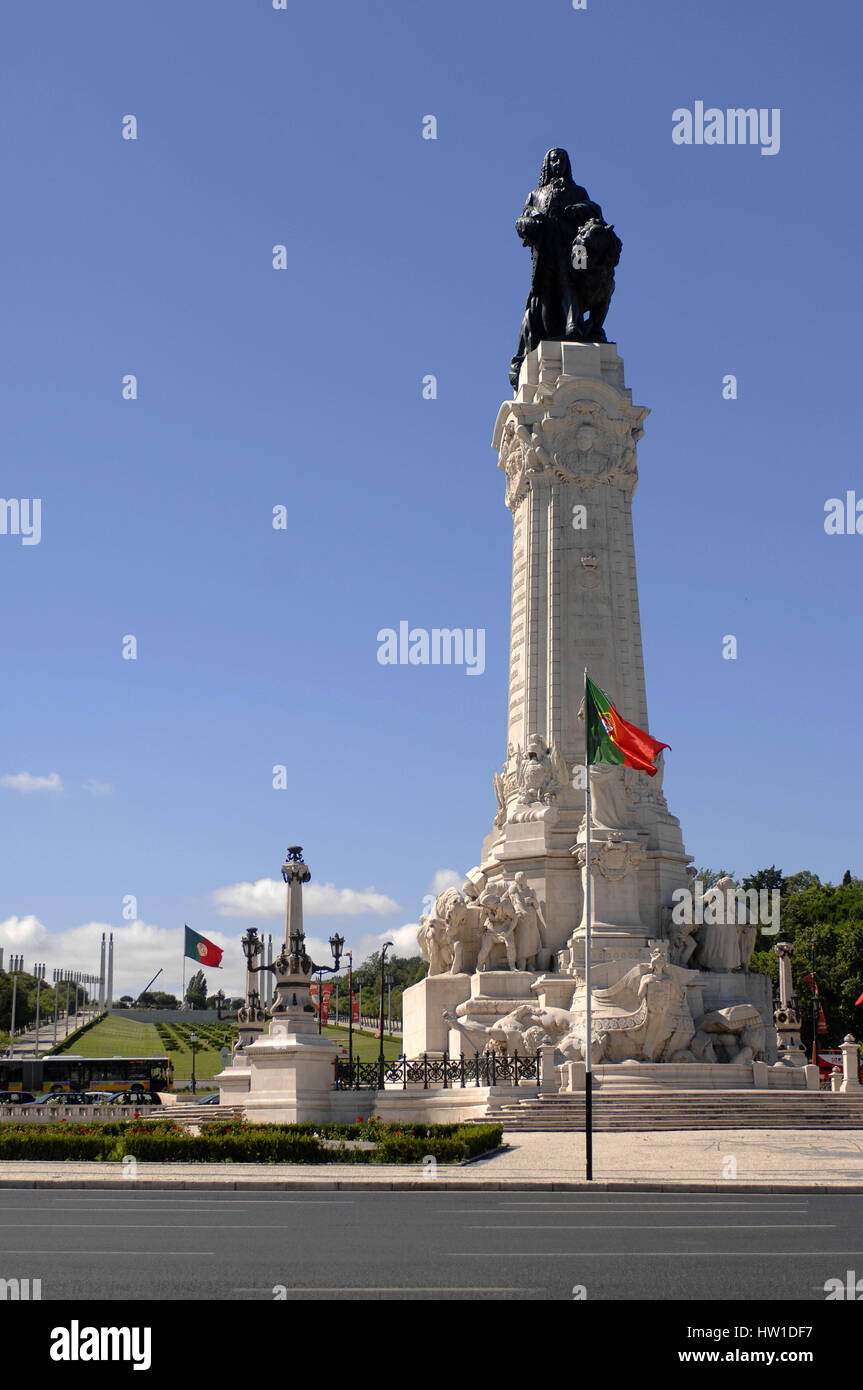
point(291, 1077)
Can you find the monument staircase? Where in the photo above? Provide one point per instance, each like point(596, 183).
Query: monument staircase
point(634, 1110)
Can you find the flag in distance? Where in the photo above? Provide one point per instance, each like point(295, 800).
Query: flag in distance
point(203, 951)
point(611, 739)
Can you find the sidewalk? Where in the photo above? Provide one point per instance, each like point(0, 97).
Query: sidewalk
point(677, 1160)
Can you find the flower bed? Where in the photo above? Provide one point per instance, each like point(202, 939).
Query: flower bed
point(238, 1142)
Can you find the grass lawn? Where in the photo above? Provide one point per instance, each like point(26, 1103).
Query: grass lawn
point(123, 1037)
point(118, 1037)
point(365, 1044)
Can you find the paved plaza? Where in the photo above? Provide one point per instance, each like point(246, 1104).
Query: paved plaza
point(707, 1159)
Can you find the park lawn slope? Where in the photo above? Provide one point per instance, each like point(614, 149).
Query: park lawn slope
point(116, 1037)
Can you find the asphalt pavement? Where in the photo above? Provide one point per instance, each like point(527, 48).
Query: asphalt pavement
point(501, 1245)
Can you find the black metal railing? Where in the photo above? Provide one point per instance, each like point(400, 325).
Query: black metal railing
point(483, 1069)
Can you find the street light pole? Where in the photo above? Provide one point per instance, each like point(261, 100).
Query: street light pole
point(384, 950)
point(15, 969)
point(320, 1002)
point(350, 956)
point(193, 1039)
point(39, 971)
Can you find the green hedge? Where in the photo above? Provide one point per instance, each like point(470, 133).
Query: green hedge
point(221, 1142)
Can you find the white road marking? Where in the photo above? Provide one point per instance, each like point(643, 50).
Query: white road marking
point(783, 1226)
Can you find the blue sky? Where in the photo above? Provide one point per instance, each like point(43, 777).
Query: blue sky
point(302, 388)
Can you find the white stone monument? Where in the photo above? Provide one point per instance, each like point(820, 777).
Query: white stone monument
point(514, 935)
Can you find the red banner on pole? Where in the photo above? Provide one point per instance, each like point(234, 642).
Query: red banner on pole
point(355, 1009)
point(325, 1007)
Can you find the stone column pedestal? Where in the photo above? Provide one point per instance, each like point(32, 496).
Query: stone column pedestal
point(850, 1066)
point(292, 1077)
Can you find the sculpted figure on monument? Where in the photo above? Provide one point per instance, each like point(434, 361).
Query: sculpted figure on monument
point(499, 923)
point(573, 255)
point(644, 1017)
point(733, 1034)
point(530, 923)
point(530, 783)
point(449, 937)
point(724, 942)
point(524, 1029)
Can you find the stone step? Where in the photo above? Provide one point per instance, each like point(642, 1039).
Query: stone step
point(635, 1110)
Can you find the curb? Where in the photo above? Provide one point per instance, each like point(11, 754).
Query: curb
point(420, 1184)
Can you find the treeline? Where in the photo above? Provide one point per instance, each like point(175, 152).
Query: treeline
point(824, 923)
point(405, 971)
point(25, 1002)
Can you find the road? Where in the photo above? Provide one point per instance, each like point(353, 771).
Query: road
point(200, 1245)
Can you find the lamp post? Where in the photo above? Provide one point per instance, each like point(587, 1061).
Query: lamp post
point(39, 972)
point(193, 1039)
point(336, 944)
point(390, 981)
point(250, 1018)
point(350, 1013)
point(293, 968)
point(386, 946)
point(16, 968)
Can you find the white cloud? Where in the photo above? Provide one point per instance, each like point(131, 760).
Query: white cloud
point(140, 949)
point(96, 788)
point(18, 932)
point(404, 941)
point(266, 898)
point(445, 878)
point(26, 782)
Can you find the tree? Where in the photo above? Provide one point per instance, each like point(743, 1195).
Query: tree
point(846, 879)
point(196, 991)
point(765, 878)
point(405, 970)
point(830, 918)
point(709, 877)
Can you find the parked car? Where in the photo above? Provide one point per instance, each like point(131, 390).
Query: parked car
point(208, 1100)
point(15, 1098)
point(73, 1098)
point(134, 1098)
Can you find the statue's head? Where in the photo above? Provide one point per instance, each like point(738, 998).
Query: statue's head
point(556, 165)
point(586, 436)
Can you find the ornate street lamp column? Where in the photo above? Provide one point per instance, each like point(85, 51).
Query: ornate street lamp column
point(293, 968)
point(250, 1018)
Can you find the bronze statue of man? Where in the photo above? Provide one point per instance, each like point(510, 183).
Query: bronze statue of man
point(573, 254)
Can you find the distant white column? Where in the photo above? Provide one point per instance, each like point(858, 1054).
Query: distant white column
point(109, 999)
point(102, 977)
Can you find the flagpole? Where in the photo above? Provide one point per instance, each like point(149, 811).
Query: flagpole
point(588, 913)
point(183, 986)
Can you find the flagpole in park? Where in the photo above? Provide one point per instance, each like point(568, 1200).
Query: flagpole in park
point(608, 738)
point(588, 914)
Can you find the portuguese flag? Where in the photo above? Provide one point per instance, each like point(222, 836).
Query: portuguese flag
point(611, 739)
point(203, 951)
